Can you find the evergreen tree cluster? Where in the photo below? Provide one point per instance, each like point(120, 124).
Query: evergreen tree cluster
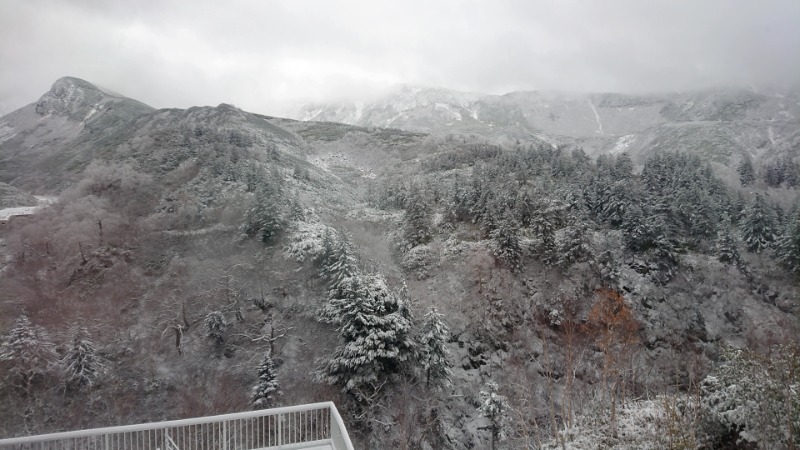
point(783, 171)
point(376, 328)
point(556, 198)
point(269, 211)
point(31, 355)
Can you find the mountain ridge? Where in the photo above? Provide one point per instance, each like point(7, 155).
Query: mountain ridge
point(744, 119)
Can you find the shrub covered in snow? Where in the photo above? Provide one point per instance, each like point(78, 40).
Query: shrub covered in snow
point(307, 241)
point(419, 260)
point(756, 397)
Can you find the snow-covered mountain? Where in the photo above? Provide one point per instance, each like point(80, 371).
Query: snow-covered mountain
point(70, 125)
point(193, 242)
point(719, 123)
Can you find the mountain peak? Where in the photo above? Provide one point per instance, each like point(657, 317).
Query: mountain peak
point(69, 96)
point(77, 99)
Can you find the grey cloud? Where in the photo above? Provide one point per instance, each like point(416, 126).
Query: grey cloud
point(264, 55)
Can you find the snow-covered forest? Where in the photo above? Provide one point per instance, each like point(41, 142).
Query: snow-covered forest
point(445, 290)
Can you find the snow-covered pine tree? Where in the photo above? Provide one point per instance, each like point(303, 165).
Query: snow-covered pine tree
point(698, 213)
point(787, 248)
point(215, 327)
point(505, 242)
point(547, 218)
point(637, 230)
point(758, 225)
point(573, 245)
point(82, 364)
point(747, 175)
point(341, 263)
point(30, 351)
point(617, 200)
point(727, 247)
point(267, 214)
point(266, 390)
point(375, 326)
point(417, 219)
point(623, 166)
point(450, 208)
point(433, 352)
point(495, 407)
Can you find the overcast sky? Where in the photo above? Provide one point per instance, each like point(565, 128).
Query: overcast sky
point(264, 55)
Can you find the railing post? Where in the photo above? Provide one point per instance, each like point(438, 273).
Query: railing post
point(280, 430)
point(225, 435)
point(107, 439)
point(333, 426)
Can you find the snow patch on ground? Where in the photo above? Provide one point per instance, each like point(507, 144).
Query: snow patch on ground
point(44, 201)
point(6, 133)
point(325, 161)
point(597, 118)
point(623, 143)
point(359, 111)
point(442, 106)
point(6, 213)
point(311, 114)
point(546, 139)
point(92, 111)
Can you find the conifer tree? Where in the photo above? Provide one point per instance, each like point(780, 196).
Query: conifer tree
point(758, 225)
point(573, 245)
point(266, 390)
point(727, 248)
point(82, 364)
point(340, 262)
point(546, 220)
point(747, 175)
point(417, 220)
point(375, 326)
point(215, 327)
point(267, 214)
point(30, 351)
point(433, 352)
point(788, 246)
point(495, 407)
point(623, 167)
point(506, 243)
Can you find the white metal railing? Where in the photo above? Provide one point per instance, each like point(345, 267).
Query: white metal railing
point(293, 427)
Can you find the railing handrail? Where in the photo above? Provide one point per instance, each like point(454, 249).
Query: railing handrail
point(184, 422)
point(342, 428)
